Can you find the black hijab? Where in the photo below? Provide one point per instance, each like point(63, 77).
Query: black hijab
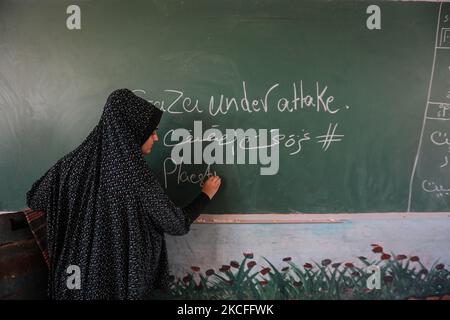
point(106, 212)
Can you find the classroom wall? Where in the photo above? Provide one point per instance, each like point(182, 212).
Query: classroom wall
point(340, 238)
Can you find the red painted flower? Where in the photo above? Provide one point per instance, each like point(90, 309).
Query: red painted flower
point(234, 264)
point(265, 271)
point(385, 256)
point(224, 268)
point(251, 264)
point(285, 269)
point(355, 274)
point(248, 255)
point(210, 272)
point(377, 249)
point(326, 262)
point(423, 271)
point(414, 258)
point(263, 282)
point(307, 266)
point(349, 265)
point(336, 265)
point(187, 278)
point(401, 257)
point(440, 266)
point(287, 259)
point(195, 269)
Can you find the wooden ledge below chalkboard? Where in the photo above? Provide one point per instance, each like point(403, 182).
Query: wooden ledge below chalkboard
point(305, 218)
point(314, 217)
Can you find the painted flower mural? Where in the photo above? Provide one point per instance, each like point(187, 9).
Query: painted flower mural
point(400, 277)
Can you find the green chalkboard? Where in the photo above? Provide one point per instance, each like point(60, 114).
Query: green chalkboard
point(358, 114)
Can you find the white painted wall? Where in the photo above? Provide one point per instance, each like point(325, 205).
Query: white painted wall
point(211, 245)
point(313, 237)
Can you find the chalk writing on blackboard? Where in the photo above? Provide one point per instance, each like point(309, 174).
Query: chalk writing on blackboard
point(318, 99)
point(235, 146)
point(243, 146)
point(433, 187)
point(435, 123)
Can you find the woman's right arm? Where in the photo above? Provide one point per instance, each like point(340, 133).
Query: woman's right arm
point(174, 220)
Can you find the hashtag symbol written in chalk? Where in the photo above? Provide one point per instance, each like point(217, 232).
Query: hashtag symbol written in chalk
point(330, 137)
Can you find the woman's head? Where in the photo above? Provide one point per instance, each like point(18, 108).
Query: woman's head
point(132, 119)
point(146, 148)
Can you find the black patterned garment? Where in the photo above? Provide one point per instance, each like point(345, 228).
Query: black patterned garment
point(106, 211)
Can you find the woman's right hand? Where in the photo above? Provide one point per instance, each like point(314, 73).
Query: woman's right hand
point(211, 186)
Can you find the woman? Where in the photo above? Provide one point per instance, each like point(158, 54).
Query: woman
point(107, 213)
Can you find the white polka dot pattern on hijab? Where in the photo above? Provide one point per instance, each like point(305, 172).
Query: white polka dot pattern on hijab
point(106, 212)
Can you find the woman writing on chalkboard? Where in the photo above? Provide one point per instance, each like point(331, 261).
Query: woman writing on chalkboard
point(106, 213)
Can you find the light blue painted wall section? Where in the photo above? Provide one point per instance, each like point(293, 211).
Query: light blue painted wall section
point(211, 245)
